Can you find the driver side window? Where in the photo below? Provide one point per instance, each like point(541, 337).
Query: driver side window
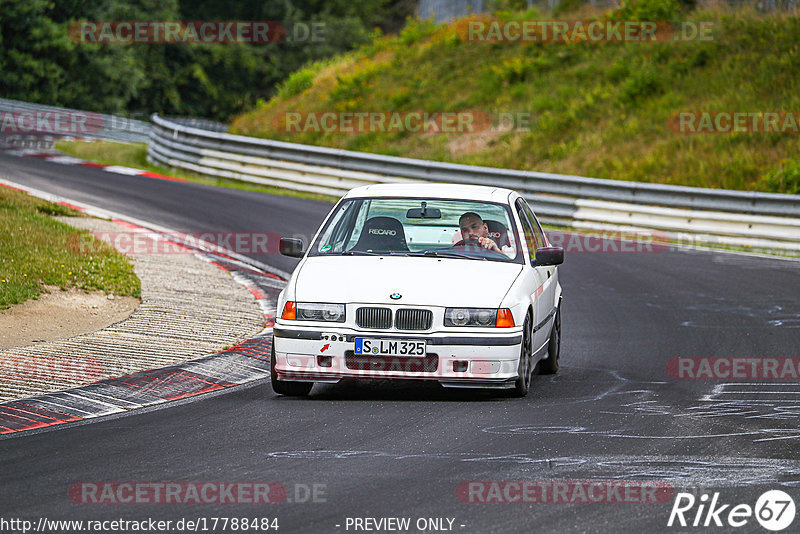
point(537, 229)
point(347, 222)
point(530, 238)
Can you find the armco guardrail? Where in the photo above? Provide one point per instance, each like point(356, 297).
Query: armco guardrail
point(764, 220)
point(23, 121)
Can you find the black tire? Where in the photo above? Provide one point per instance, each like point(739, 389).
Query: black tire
point(285, 387)
point(525, 369)
point(549, 366)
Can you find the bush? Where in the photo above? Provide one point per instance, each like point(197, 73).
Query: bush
point(297, 82)
point(416, 30)
point(513, 70)
point(567, 6)
point(785, 178)
point(642, 83)
point(506, 5)
point(648, 10)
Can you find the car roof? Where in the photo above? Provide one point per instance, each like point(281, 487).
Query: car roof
point(432, 190)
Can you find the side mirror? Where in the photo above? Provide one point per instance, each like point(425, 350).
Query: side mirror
point(549, 256)
point(292, 247)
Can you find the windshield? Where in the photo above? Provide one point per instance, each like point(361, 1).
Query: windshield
point(420, 227)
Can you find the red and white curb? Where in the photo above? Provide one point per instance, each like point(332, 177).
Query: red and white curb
point(56, 157)
point(246, 362)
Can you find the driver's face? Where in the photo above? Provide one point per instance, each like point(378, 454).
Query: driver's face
point(473, 227)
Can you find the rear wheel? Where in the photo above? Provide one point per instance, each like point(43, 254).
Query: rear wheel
point(285, 387)
point(524, 370)
point(549, 366)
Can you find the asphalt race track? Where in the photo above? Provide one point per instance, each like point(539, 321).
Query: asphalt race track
point(378, 450)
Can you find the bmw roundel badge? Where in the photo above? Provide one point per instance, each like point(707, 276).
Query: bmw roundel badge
point(395, 296)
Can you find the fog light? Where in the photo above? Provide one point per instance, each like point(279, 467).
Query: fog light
point(480, 367)
point(460, 367)
point(325, 361)
point(299, 360)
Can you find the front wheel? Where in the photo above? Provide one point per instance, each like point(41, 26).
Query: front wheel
point(549, 366)
point(524, 370)
point(285, 387)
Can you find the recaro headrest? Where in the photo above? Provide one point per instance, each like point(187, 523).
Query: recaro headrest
point(382, 234)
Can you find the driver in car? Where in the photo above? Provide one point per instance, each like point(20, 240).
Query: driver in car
point(475, 232)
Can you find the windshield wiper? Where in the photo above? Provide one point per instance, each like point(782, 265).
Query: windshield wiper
point(446, 254)
point(372, 253)
point(360, 253)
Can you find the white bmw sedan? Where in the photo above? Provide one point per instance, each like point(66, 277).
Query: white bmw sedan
point(453, 283)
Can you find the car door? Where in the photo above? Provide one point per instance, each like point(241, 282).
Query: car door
point(535, 276)
point(549, 274)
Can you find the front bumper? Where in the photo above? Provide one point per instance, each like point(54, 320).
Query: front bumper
point(307, 354)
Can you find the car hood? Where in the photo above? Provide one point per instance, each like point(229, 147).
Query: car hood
point(421, 281)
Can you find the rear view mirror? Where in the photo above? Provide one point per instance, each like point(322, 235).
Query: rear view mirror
point(549, 256)
point(428, 213)
point(292, 247)
point(424, 212)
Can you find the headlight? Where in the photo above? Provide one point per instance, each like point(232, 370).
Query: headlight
point(483, 317)
point(470, 317)
point(318, 311)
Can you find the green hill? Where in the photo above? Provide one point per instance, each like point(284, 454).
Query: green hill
point(600, 109)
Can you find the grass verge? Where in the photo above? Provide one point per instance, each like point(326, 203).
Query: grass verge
point(599, 109)
point(37, 250)
point(135, 155)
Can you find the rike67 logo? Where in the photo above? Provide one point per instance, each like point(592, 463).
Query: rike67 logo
point(774, 510)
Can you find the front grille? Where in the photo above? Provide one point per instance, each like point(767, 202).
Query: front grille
point(397, 364)
point(374, 318)
point(413, 319)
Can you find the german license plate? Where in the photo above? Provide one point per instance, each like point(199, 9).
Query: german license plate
point(390, 347)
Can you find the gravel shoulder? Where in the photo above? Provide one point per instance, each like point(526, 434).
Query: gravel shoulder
point(189, 308)
point(62, 314)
